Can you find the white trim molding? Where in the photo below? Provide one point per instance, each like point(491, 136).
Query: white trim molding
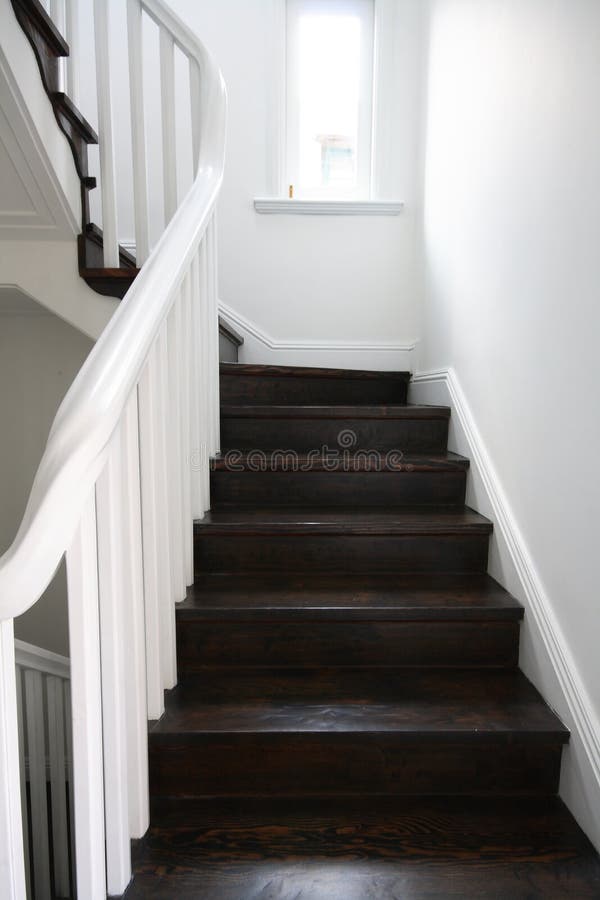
point(260, 348)
point(575, 706)
point(284, 207)
point(31, 657)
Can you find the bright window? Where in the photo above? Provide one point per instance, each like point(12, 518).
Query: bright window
point(329, 98)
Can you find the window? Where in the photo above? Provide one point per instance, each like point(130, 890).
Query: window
point(329, 98)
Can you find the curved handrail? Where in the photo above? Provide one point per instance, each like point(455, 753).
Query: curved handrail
point(90, 412)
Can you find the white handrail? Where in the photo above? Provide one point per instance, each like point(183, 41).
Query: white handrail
point(124, 467)
point(92, 408)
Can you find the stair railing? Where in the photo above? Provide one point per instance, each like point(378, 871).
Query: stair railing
point(44, 704)
point(124, 474)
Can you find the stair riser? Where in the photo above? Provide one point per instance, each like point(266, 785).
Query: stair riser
point(349, 553)
point(304, 435)
point(330, 764)
point(290, 390)
point(315, 644)
point(268, 489)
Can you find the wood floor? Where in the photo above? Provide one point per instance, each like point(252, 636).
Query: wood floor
point(387, 849)
point(350, 719)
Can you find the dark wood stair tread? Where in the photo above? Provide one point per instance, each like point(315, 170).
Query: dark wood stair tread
point(401, 521)
point(414, 705)
point(334, 411)
point(413, 848)
point(264, 371)
point(278, 461)
point(42, 22)
point(75, 117)
point(368, 597)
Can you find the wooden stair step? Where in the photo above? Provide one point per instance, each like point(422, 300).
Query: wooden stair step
point(40, 29)
point(417, 704)
point(297, 384)
point(421, 848)
point(271, 622)
point(400, 521)
point(288, 597)
point(66, 108)
point(342, 732)
point(402, 539)
point(277, 479)
point(334, 411)
point(277, 461)
point(402, 428)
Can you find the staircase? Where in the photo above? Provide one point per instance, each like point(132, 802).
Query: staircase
point(350, 719)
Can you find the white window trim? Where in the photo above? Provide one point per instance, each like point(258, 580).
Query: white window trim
point(284, 207)
point(382, 152)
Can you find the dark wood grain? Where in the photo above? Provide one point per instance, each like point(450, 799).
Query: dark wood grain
point(367, 488)
point(404, 429)
point(392, 850)
point(314, 644)
point(400, 596)
point(331, 732)
point(288, 384)
point(424, 703)
point(329, 540)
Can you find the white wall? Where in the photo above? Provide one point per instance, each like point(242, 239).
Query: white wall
point(512, 280)
point(39, 357)
point(298, 279)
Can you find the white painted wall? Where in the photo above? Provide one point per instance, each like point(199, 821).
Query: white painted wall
point(39, 357)
point(316, 280)
point(512, 282)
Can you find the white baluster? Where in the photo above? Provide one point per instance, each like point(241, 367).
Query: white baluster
point(112, 599)
point(164, 487)
point(205, 404)
point(73, 39)
point(69, 746)
point(105, 130)
point(186, 427)
point(160, 625)
point(24, 810)
point(195, 100)
point(36, 754)
point(214, 334)
point(86, 709)
point(196, 399)
point(176, 499)
point(138, 130)
point(152, 535)
point(167, 92)
point(135, 680)
point(58, 792)
point(12, 869)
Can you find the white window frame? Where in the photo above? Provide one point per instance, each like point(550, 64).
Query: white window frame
point(382, 200)
point(365, 11)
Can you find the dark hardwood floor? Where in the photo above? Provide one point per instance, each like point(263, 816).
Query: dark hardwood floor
point(350, 721)
point(383, 849)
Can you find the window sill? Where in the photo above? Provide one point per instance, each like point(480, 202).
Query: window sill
point(285, 207)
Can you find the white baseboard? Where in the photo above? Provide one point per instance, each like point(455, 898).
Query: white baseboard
point(546, 657)
point(261, 348)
